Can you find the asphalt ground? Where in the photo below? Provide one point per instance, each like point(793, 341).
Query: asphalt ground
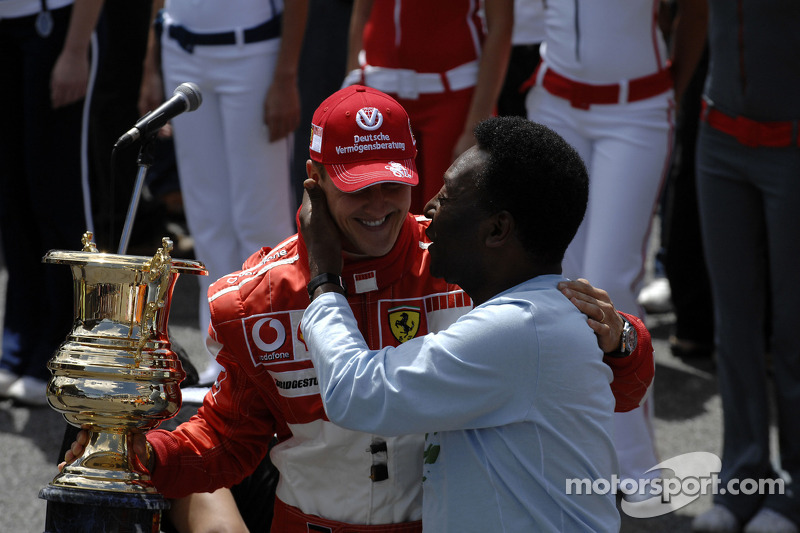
point(687, 419)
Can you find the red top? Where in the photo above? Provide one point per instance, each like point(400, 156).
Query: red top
point(423, 35)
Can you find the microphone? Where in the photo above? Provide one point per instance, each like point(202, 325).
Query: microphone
point(186, 97)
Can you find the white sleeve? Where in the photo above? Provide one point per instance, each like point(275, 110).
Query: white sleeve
point(479, 372)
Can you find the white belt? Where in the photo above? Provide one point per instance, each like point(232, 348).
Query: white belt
point(409, 84)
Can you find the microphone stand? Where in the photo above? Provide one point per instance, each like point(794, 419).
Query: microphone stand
point(144, 162)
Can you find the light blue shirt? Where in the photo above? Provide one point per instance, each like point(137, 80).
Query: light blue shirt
point(514, 399)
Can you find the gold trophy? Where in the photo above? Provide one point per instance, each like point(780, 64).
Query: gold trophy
point(116, 373)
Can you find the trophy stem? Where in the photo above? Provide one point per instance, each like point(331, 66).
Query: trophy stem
point(108, 463)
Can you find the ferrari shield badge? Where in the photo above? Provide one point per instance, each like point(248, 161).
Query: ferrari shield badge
point(404, 322)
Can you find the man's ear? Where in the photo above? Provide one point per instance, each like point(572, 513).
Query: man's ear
point(500, 228)
point(313, 170)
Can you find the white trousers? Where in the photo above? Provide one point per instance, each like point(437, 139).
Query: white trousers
point(235, 183)
point(626, 148)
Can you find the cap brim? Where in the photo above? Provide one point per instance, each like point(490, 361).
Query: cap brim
point(356, 176)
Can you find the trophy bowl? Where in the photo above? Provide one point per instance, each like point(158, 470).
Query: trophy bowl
point(116, 372)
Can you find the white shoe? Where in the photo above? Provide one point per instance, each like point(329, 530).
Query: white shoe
point(718, 519)
point(769, 521)
point(656, 296)
point(7, 378)
point(29, 391)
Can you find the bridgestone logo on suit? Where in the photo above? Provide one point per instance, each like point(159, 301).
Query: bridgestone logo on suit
point(297, 383)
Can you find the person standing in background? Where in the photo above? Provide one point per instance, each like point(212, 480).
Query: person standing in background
point(121, 43)
point(526, 38)
point(607, 84)
point(684, 261)
point(233, 153)
point(680, 276)
point(441, 63)
point(748, 186)
point(322, 61)
point(44, 51)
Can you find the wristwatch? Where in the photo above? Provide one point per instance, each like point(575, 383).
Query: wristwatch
point(628, 340)
point(322, 279)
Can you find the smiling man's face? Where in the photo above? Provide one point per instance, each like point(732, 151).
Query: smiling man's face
point(370, 219)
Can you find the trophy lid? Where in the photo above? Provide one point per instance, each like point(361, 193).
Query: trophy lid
point(133, 262)
point(90, 255)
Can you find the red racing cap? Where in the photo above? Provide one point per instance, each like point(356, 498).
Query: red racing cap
point(363, 137)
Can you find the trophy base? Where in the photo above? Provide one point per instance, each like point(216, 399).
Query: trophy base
point(77, 510)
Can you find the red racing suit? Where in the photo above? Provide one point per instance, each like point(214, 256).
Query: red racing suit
point(270, 387)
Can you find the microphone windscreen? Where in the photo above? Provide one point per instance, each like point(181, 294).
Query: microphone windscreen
point(192, 93)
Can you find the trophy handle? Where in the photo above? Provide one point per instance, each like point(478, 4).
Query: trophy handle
point(159, 267)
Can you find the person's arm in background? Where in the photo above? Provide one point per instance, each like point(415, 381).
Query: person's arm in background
point(282, 102)
point(633, 374)
point(70, 77)
point(355, 41)
point(151, 92)
point(492, 68)
point(688, 40)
